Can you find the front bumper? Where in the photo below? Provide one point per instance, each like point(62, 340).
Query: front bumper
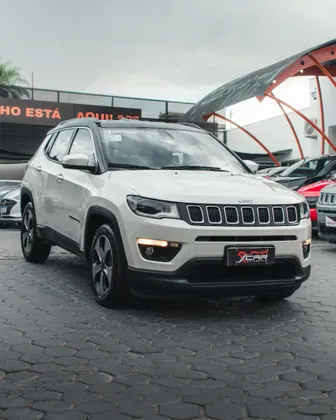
point(210, 277)
point(325, 232)
point(207, 242)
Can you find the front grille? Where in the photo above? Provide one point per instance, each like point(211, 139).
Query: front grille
point(214, 214)
point(264, 217)
point(278, 215)
point(328, 199)
point(248, 215)
point(231, 215)
point(195, 214)
point(238, 215)
point(292, 214)
point(219, 273)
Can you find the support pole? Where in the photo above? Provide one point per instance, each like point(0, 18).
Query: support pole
point(306, 119)
point(290, 125)
point(319, 93)
point(206, 117)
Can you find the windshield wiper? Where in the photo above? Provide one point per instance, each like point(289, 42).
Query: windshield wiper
point(195, 168)
point(127, 166)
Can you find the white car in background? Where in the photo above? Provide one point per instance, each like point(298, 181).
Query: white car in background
point(10, 208)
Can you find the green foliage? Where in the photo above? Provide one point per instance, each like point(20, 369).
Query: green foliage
point(11, 82)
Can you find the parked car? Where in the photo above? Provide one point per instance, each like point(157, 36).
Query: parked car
point(326, 213)
point(110, 192)
point(8, 185)
point(307, 171)
point(275, 172)
point(10, 208)
point(311, 193)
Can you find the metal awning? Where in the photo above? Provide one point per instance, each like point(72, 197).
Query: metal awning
point(255, 84)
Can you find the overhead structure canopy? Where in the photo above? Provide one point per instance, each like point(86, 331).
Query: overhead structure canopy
point(263, 81)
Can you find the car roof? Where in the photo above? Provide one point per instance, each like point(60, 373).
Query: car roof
point(127, 123)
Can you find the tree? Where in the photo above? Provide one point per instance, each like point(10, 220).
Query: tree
point(11, 82)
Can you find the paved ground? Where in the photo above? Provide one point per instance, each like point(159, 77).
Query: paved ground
point(64, 357)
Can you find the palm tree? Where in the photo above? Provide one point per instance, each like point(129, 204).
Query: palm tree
point(11, 82)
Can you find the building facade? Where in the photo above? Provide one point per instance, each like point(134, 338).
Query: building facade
point(24, 122)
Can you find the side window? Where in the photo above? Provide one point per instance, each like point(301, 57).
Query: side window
point(60, 147)
point(83, 144)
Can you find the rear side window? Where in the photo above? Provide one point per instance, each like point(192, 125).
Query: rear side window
point(61, 145)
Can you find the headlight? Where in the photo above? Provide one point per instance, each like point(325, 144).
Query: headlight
point(155, 209)
point(312, 201)
point(304, 210)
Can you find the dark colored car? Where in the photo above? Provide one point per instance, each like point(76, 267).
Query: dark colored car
point(307, 171)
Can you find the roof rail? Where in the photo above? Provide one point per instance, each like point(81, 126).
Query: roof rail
point(189, 124)
point(80, 119)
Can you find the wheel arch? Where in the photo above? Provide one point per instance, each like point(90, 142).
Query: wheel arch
point(26, 197)
point(96, 217)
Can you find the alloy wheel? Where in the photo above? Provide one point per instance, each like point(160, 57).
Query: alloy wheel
point(102, 266)
point(27, 231)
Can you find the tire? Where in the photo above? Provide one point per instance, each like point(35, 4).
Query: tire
point(274, 297)
point(107, 265)
point(33, 249)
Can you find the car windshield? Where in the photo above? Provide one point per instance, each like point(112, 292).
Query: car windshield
point(304, 167)
point(156, 148)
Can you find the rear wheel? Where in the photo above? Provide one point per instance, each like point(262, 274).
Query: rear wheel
point(33, 249)
point(107, 269)
point(273, 297)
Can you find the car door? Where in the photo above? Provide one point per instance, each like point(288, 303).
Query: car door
point(54, 200)
point(75, 186)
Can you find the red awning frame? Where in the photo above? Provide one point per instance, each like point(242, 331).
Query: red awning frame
point(318, 62)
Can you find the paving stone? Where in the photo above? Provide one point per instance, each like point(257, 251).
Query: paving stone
point(64, 357)
point(21, 414)
point(180, 411)
point(226, 411)
point(137, 409)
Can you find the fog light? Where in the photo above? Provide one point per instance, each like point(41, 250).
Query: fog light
point(157, 250)
point(306, 248)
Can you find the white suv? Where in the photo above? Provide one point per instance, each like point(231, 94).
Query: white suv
point(162, 210)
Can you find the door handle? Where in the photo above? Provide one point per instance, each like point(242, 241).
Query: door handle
point(39, 168)
point(60, 177)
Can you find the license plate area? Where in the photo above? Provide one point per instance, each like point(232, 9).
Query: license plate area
point(249, 255)
point(3, 209)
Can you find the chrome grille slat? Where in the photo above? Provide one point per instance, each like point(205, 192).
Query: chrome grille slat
point(292, 215)
point(195, 214)
point(214, 215)
point(247, 214)
point(231, 215)
point(264, 217)
point(278, 215)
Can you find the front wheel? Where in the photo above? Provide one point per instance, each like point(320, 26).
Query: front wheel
point(107, 269)
point(33, 249)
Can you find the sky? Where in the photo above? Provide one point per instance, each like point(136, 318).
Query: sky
point(173, 50)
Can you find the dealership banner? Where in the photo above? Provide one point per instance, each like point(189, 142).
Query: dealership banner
point(23, 111)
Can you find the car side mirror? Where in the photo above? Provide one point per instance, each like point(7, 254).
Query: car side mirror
point(332, 175)
point(78, 161)
point(253, 166)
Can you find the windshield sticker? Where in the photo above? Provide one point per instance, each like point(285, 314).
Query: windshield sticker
point(113, 137)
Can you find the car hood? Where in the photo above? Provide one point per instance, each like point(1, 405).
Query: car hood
point(315, 188)
point(205, 187)
point(284, 179)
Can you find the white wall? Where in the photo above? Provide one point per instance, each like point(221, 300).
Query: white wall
point(276, 135)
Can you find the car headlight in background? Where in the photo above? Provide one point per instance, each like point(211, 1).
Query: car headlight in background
point(155, 209)
point(312, 201)
point(304, 210)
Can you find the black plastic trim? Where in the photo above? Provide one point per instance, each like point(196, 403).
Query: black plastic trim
point(156, 283)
